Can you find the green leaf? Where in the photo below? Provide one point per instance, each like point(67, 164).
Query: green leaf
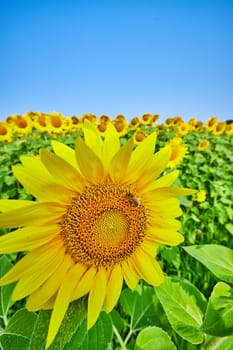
point(152, 338)
point(139, 306)
point(5, 291)
point(18, 332)
point(182, 310)
point(229, 227)
point(219, 314)
point(97, 338)
point(217, 258)
point(74, 316)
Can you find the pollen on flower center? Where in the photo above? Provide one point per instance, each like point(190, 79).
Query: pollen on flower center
point(103, 225)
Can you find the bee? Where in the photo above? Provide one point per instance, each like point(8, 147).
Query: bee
point(134, 199)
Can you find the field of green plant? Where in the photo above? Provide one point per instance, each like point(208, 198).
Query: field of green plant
point(192, 309)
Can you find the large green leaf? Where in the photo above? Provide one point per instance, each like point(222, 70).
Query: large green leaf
point(182, 310)
point(74, 316)
point(97, 338)
point(152, 338)
point(219, 314)
point(6, 291)
point(18, 332)
point(139, 305)
point(217, 258)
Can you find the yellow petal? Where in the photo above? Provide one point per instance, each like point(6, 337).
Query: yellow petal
point(41, 295)
point(111, 145)
point(9, 204)
point(65, 152)
point(62, 301)
point(83, 286)
point(130, 275)
point(40, 185)
point(114, 286)
point(169, 207)
point(169, 192)
point(156, 166)
point(139, 161)
point(96, 297)
point(165, 236)
point(147, 267)
point(165, 181)
point(92, 138)
point(89, 163)
point(39, 214)
point(27, 238)
point(165, 222)
point(32, 262)
point(63, 172)
point(33, 280)
point(120, 162)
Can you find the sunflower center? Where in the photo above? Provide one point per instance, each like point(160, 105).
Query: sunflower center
point(103, 225)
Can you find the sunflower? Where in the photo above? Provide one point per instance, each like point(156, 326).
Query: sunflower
point(203, 145)
point(5, 132)
point(178, 151)
point(99, 218)
point(139, 136)
point(219, 128)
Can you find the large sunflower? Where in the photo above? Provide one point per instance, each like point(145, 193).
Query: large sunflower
point(99, 219)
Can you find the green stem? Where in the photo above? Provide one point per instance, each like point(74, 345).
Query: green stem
point(213, 343)
point(128, 336)
point(120, 340)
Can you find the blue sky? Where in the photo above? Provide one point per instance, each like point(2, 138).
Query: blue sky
point(109, 57)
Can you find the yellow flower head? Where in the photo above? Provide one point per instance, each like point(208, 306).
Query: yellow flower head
point(5, 132)
point(229, 129)
point(211, 123)
point(139, 136)
point(219, 128)
point(203, 145)
point(201, 196)
point(183, 128)
point(146, 119)
point(178, 151)
point(99, 218)
point(134, 123)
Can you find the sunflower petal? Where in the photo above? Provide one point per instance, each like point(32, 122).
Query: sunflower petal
point(62, 171)
point(31, 281)
point(92, 138)
point(41, 295)
point(65, 152)
point(96, 297)
point(40, 184)
point(147, 267)
point(120, 162)
point(138, 160)
point(35, 214)
point(27, 238)
point(63, 300)
point(114, 286)
point(130, 275)
point(9, 204)
point(156, 166)
point(111, 145)
point(32, 262)
point(164, 181)
point(89, 163)
point(165, 236)
point(83, 286)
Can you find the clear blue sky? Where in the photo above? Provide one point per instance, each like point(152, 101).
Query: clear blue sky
point(109, 57)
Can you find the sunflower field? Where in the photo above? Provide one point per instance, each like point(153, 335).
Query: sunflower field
point(115, 234)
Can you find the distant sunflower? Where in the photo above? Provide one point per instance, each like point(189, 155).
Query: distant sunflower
point(100, 218)
point(5, 132)
point(203, 145)
point(178, 151)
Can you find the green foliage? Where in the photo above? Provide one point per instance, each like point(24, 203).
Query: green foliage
point(189, 310)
